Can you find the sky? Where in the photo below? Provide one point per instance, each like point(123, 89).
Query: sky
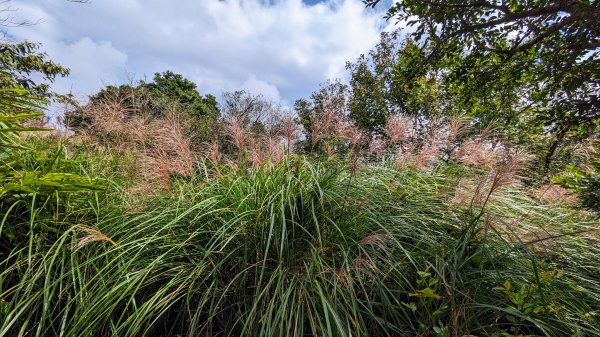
point(281, 49)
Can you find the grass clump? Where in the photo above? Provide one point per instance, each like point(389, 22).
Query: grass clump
point(306, 248)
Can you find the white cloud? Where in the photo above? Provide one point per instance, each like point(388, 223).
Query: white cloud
point(282, 48)
point(268, 90)
point(92, 64)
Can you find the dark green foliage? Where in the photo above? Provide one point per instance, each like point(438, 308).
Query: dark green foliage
point(168, 94)
point(394, 78)
point(304, 110)
point(19, 61)
point(585, 181)
point(560, 33)
point(540, 57)
point(176, 87)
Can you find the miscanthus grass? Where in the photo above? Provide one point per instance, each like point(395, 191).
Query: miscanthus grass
point(311, 249)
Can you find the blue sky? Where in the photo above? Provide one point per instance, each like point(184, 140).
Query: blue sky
point(282, 49)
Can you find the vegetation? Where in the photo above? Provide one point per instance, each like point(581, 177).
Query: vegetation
point(399, 204)
point(167, 94)
point(543, 56)
point(17, 63)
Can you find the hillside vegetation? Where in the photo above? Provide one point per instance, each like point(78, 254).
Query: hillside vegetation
point(409, 202)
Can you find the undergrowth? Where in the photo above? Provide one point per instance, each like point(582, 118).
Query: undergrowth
point(423, 234)
point(309, 248)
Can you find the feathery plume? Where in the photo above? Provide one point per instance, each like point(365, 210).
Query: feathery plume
point(398, 128)
point(214, 153)
point(377, 147)
point(257, 155)
point(289, 131)
point(90, 235)
point(457, 128)
point(379, 241)
point(349, 132)
point(274, 149)
point(237, 132)
point(476, 153)
point(554, 194)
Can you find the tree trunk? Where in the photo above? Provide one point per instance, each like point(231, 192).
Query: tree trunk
point(553, 147)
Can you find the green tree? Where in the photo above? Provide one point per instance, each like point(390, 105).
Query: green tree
point(561, 31)
point(18, 61)
point(394, 78)
point(175, 87)
point(202, 112)
point(167, 93)
point(550, 48)
point(402, 76)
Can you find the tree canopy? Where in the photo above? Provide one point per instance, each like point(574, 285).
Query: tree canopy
point(175, 86)
point(543, 55)
point(19, 61)
point(167, 93)
point(564, 30)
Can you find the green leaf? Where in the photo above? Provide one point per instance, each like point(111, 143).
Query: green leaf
point(23, 129)
point(16, 117)
point(427, 292)
point(412, 306)
point(18, 187)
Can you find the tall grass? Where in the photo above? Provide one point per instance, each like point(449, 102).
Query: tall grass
point(308, 248)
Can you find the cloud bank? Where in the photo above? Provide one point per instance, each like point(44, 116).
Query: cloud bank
point(282, 49)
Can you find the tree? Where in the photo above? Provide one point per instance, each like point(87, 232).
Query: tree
point(561, 30)
point(248, 108)
point(176, 87)
point(392, 79)
point(399, 77)
point(550, 47)
point(256, 114)
point(167, 93)
point(18, 61)
point(322, 113)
